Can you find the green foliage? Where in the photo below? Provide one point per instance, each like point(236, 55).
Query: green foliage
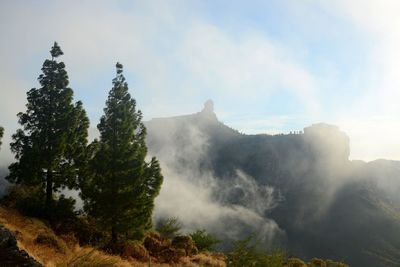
point(29, 201)
point(169, 227)
point(50, 146)
point(26, 199)
point(245, 253)
point(120, 187)
point(204, 241)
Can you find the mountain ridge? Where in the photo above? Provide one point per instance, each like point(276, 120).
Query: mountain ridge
point(303, 186)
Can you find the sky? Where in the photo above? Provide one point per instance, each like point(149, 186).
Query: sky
point(270, 66)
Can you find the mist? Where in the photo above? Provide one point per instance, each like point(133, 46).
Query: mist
point(291, 190)
point(197, 197)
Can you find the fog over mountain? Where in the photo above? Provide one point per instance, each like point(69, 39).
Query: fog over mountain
point(297, 191)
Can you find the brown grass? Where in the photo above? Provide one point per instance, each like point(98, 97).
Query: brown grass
point(63, 251)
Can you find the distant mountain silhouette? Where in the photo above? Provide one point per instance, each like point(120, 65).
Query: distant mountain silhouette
point(326, 205)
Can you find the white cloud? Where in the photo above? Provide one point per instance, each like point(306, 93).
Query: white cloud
point(373, 122)
point(179, 59)
point(251, 68)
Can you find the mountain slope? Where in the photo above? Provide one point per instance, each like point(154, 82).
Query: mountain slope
point(299, 191)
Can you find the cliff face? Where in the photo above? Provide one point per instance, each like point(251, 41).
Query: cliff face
point(303, 183)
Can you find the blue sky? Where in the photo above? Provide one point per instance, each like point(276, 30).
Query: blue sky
point(270, 66)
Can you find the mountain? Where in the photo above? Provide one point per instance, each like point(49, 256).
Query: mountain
point(297, 191)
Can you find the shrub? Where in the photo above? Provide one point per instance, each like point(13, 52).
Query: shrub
point(30, 201)
point(171, 255)
point(134, 249)
point(204, 241)
point(295, 262)
point(186, 243)
point(169, 228)
point(169, 251)
point(245, 253)
point(153, 244)
point(317, 263)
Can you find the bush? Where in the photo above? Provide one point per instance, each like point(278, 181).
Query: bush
point(204, 241)
point(186, 243)
point(169, 251)
point(153, 243)
point(134, 249)
point(317, 263)
point(30, 201)
point(295, 262)
point(245, 253)
point(171, 255)
point(169, 228)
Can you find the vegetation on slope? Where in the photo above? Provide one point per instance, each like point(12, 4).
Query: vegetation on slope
point(54, 249)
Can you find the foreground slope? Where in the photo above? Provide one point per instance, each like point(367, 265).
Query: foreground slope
point(48, 248)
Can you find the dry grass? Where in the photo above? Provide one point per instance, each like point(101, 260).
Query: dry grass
point(49, 254)
point(64, 251)
point(206, 260)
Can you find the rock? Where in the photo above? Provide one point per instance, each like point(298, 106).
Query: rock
point(10, 254)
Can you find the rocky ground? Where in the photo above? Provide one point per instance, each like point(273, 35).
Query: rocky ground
point(10, 254)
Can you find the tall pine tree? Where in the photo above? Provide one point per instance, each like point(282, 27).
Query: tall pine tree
point(51, 145)
point(120, 193)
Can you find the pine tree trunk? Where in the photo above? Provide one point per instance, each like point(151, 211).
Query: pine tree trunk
point(49, 191)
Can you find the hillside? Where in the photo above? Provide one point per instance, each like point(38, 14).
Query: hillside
point(51, 249)
point(296, 191)
point(26, 241)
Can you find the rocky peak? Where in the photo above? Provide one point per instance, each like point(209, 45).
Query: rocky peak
point(208, 110)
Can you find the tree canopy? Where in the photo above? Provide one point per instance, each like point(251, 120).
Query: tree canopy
point(50, 146)
point(122, 186)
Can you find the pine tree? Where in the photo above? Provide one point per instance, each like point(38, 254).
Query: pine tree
point(50, 146)
point(120, 193)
